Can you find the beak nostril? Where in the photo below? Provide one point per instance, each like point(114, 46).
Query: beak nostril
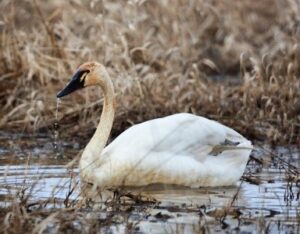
point(75, 84)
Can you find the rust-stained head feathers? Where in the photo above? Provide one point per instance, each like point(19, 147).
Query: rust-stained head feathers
point(87, 74)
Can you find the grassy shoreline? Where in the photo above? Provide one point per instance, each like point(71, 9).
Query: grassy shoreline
point(164, 58)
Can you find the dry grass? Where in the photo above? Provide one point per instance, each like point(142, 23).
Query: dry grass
point(23, 211)
point(238, 64)
point(125, 211)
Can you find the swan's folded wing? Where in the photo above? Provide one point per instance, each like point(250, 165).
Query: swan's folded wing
point(178, 135)
point(201, 151)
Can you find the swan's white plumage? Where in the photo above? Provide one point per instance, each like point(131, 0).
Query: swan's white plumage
point(172, 150)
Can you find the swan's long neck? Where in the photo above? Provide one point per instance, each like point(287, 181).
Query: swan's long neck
point(92, 153)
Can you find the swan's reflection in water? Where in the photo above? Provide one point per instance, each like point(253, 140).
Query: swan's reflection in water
point(274, 201)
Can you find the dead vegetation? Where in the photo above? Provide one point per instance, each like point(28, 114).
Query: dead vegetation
point(126, 212)
point(22, 211)
point(238, 64)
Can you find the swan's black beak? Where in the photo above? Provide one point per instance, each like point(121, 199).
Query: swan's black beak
point(75, 84)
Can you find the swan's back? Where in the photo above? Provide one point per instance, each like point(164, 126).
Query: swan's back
point(176, 133)
point(177, 149)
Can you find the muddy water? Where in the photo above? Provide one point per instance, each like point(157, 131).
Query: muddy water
point(266, 200)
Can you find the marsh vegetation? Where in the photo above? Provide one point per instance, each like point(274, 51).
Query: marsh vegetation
point(235, 62)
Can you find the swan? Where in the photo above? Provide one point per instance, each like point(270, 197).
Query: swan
point(180, 149)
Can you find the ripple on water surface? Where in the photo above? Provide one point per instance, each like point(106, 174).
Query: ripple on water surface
point(268, 193)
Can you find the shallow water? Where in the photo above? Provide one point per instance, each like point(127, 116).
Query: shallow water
point(267, 199)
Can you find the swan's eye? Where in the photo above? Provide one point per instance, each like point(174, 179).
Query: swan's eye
point(83, 76)
point(77, 82)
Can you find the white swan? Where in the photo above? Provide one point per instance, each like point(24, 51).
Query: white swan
point(181, 149)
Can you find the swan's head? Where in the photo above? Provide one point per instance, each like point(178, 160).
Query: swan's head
point(87, 74)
